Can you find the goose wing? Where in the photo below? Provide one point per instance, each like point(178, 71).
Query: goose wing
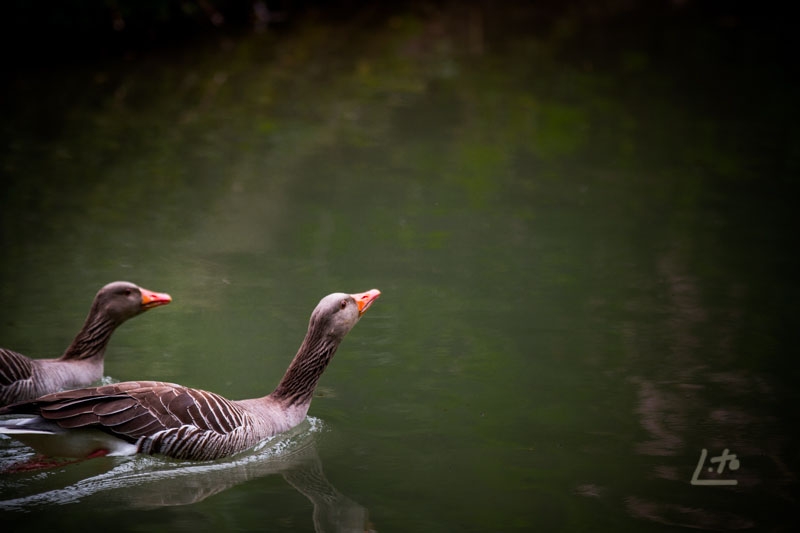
point(136, 409)
point(14, 367)
point(16, 375)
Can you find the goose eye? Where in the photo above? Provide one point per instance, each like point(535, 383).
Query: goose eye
point(343, 304)
point(127, 292)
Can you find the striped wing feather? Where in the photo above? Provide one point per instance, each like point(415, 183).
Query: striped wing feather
point(14, 367)
point(133, 410)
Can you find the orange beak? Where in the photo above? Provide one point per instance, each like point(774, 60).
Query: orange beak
point(365, 299)
point(154, 299)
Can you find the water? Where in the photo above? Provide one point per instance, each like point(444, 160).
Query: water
point(579, 222)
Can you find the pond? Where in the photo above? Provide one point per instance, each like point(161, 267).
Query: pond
point(578, 220)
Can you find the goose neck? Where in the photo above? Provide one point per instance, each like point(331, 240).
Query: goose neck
point(300, 380)
point(92, 339)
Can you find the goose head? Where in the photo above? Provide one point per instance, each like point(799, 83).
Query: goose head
point(337, 313)
point(121, 300)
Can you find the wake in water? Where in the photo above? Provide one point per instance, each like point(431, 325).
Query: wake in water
point(194, 481)
point(144, 481)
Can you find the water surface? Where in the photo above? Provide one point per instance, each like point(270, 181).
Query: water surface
point(578, 220)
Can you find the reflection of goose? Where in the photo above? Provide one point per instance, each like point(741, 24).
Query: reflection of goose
point(156, 482)
point(81, 364)
point(333, 511)
point(167, 419)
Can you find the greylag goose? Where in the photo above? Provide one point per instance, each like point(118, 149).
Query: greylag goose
point(22, 378)
point(153, 417)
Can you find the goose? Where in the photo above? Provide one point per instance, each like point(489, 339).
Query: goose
point(159, 418)
point(23, 378)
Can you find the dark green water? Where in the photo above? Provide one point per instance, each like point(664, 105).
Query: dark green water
point(579, 221)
